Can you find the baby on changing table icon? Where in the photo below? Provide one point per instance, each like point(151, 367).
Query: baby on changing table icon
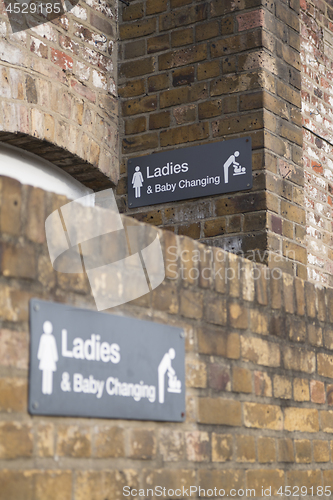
point(174, 385)
point(238, 169)
point(48, 357)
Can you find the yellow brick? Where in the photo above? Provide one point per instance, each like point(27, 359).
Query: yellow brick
point(285, 450)
point(15, 440)
point(74, 441)
point(245, 448)
point(282, 387)
point(238, 316)
point(326, 418)
point(304, 478)
point(266, 449)
point(301, 389)
point(263, 416)
point(301, 419)
point(221, 447)
point(303, 451)
point(53, 485)
point(219, 411)
point(259, 322)
point(45, 439)
point(266, 479)
point(241, 380)
point(320, 451)
point(196, 373)
point(260, 351)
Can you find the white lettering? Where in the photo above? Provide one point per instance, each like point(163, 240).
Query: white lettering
point(64, 350)
point(91, 349)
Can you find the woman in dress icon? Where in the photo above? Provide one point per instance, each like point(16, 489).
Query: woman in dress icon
point(48, 356)
point(137, 182)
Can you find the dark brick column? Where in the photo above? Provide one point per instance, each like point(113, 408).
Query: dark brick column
point(196, 72)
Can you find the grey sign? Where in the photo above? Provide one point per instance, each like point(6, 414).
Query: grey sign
point(181, 174)
point(89, 364)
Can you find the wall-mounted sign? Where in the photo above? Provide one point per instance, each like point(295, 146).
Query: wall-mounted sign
point(220, 167)
point(89, 364)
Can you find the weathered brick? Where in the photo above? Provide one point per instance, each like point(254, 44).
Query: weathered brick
point(143, 142)
point(191, 304)
point(304, 478)
point(317, 392)
point(186, 133)
point(285, 450)
point(282, 387)
point(238, 316)
point(140, 67)
point(262, 384)
point(158, 82)
point(219, 377)
point(182, 17)
point(197, 446)
point(171, 445)
point(221, 479)
point(325, 365)
point(301, 389)
point(140, 105)
point(45, 439)
point(16, 440)
point(181, 57)
point(14, 349)
point(241, 380)
point(320, 451)
point(245, 448)
point(206, 31)
point(132, 89)
point(142, 444)
point(222, 447)
point(326, 418)
point(183, 76)
point(158, 43)
point(10, 215)
point(182, 37)
point(108, 442)
point(73, 441)
point(301, 419)
point(262, 416)
point(209, 69)
point(299, 359)
point(260, 351)
point(219, 411)
point(156, 6)
point(101, 484)
point(13, 395)
point(16, 484)
point(18, 261)
point(266, 450)
point(196, 374)
point(303, 451)
point(218, 342)
point(261, 478)
point(137, 29)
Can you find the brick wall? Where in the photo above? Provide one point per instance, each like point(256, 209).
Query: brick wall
point(259, 375)
point(58, 91)
point(317, 57)
point(192, 72)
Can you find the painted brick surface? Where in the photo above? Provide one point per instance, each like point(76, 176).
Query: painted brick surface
point(58, 91)
point(317, 102)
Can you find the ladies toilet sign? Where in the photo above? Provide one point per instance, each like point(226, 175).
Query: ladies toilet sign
point(220, 167)
point(89, 364)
